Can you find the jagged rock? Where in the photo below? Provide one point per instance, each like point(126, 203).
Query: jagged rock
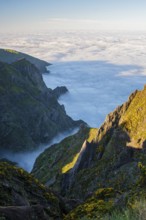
point(58, 91)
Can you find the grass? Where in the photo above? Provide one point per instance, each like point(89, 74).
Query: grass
point(92, 134)
point(11, 51)
point(91, 137)
point(136, 212)
point(134, 118)
point(70, 165)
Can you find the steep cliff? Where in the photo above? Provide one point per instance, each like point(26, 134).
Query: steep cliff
point(120, 146)
point(29, 111)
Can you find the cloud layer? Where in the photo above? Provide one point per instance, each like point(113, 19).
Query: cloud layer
point(95, 87)
point(99, 69)
point(115, 47)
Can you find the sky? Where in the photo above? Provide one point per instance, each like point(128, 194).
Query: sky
point(31, 15)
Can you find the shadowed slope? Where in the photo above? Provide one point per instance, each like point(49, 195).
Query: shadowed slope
point(29, 111)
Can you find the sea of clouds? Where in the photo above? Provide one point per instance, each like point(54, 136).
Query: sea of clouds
point(100, 69)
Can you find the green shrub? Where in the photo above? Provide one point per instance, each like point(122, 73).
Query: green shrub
point(136, 212)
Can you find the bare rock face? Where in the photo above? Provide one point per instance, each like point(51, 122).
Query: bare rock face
point(86, 156)
point(58, 91)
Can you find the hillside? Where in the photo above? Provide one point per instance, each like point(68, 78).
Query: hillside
point(29, 112)
point(59, 159)
point(11, 56)
point(107, 172)
point(23, 197)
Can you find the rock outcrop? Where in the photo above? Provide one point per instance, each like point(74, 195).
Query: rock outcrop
point(11, 56)
point(58, 91)
point(29, 112)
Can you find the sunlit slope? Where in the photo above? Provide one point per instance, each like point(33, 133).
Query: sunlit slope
point(60, 158)
point(108, 170)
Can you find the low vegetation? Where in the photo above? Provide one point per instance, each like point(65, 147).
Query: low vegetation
point(117, 171)
point(18, 188)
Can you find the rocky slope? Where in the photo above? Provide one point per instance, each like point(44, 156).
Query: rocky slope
point(23, 197)
point(11, 56)
point(107, 172)
point(29, 111)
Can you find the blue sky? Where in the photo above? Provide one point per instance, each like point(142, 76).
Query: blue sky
point(72, 14)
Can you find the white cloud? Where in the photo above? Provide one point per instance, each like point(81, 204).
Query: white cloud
point(95, 87)
point(27, 159)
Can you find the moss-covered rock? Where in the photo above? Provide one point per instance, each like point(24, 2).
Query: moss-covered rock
point(20, 189)
point(95, 207)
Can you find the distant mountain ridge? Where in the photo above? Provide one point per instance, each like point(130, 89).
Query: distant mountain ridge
point(11, 56)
